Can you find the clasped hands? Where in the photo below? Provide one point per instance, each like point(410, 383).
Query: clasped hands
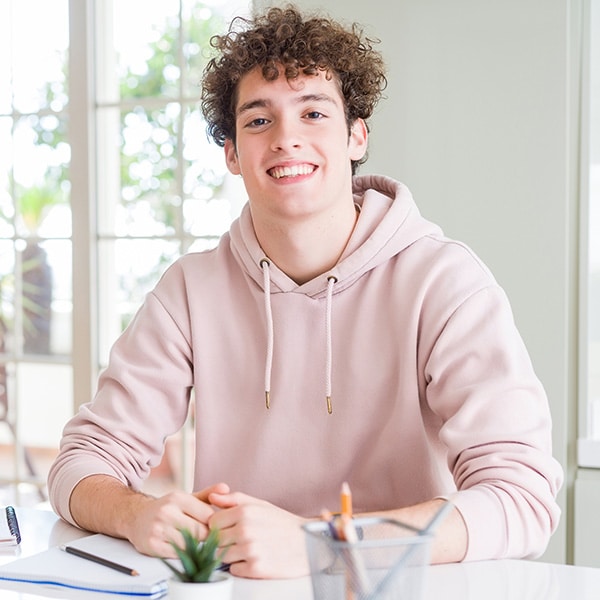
point(262, 541)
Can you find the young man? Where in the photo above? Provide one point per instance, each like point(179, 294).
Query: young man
point(333, 335)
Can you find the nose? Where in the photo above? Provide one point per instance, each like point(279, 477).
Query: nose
point(285, 135)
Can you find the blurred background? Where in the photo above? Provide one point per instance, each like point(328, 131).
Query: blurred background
point(90, 215)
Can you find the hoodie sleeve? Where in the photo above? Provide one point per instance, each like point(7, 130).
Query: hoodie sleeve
point(142, 398)
point(497, 429)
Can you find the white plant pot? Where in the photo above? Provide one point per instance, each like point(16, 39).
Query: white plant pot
point(220, 587)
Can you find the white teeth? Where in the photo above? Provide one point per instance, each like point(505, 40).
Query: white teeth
point(293, 171)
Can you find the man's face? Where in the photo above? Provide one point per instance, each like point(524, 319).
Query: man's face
point(293, 148)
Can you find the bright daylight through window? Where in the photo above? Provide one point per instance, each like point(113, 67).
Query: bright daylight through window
point(158, 189)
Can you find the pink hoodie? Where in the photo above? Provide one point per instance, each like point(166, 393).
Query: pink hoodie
point(432, 390)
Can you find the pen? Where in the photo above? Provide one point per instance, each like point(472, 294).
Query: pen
point(327, 516)
point(99, 560)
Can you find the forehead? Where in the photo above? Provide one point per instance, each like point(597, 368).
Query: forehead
point(253, 89)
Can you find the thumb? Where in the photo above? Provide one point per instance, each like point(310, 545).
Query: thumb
point(216, 488)
point(223, 500)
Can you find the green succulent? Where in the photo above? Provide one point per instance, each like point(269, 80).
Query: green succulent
point(199, 559)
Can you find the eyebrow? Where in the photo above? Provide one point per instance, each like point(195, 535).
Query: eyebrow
point(264, 103)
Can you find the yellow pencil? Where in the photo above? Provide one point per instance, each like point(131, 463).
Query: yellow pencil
point(346, 500)
point(342, 522)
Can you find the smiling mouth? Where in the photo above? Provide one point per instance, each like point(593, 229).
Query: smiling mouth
point(292, 171)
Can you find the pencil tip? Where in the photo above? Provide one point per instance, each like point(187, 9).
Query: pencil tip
point(134, 573)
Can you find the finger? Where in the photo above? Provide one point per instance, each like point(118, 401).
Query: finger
point(196, 528)
point(229, 500)
point(190, 510)
point(224, 498)
point(225, 519)
point(177, 511)
point(218, 488)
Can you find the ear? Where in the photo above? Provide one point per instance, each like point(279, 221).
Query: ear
point(359, 139)
point(231, 157)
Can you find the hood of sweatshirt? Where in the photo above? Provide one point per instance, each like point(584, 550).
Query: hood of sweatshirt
point(389, 222)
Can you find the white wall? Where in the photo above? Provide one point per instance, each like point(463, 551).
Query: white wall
point(480, 122)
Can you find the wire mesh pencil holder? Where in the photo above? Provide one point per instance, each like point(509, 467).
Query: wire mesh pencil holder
point(388, 562)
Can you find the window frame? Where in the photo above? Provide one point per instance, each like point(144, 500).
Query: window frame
point(83, 198)
point(588, 442)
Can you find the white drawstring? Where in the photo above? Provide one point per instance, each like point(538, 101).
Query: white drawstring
point(331, 281)
point(265, 264)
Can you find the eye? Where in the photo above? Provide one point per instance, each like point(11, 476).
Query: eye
point(314, 115)
point(258, 122)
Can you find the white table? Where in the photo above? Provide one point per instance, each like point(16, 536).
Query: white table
point(489, 580)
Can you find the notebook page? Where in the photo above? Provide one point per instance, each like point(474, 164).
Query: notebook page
point(55, 567)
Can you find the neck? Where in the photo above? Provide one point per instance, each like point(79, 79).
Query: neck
point(307, 248)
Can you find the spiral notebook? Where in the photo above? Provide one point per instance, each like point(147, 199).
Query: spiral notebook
point(9, 528)
point(54, 568)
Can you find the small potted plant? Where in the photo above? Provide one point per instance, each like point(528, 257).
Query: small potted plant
point(200, 576)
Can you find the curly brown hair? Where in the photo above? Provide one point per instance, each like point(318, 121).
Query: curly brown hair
point(283, 38)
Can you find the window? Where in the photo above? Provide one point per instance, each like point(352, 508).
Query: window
point(35, 241)
point(589, 442)
point(103, 132)
point(163, 189)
